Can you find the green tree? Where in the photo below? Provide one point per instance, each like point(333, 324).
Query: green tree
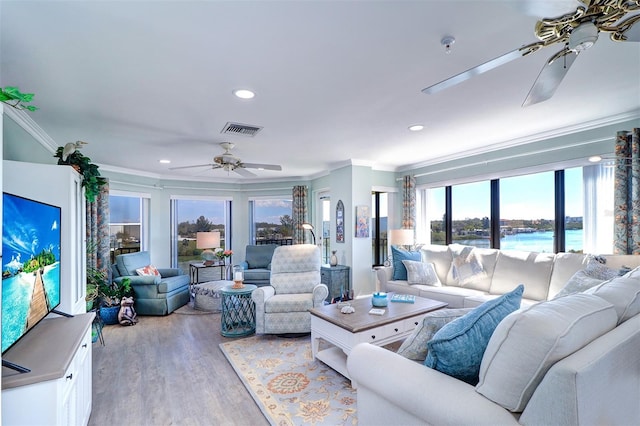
point(203, 224)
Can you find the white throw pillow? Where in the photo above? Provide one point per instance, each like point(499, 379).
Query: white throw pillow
point(465, 266)
point(528, 342)
point(421, 273)
point(623, 293)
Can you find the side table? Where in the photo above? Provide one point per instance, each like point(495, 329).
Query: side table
point(336, 278)
point(238, 311)
point(194, 268)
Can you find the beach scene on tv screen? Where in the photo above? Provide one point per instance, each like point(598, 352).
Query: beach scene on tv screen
point(31, 265)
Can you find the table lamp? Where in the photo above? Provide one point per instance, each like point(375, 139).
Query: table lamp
point(206, 241)
point(401, 237)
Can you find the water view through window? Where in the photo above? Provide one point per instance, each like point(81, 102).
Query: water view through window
point(527, 212)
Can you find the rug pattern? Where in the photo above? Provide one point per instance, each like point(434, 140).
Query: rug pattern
point(288, 386)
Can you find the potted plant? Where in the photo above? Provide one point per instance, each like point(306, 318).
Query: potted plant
point(110, 295)
point(91, 179)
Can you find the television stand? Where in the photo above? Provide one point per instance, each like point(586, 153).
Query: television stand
point(64, 314)
point(58, 352)
point(18, 368)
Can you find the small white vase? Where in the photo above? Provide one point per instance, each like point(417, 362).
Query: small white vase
point(333, 261)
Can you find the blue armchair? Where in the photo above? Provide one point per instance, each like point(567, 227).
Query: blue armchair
point(257, 264)
point(153, 295)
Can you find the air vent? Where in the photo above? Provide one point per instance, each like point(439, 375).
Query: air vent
point(240, 129)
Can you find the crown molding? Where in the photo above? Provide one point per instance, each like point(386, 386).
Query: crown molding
point(23, 120)
point(537, 137)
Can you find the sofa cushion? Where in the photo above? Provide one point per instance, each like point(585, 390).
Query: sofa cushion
point(258, 274)
point(623, 293)
point(397, 256)
point(259, 256)
point(564, 266)
point(453, 296)
point(528, 342)
point(440, 256)
point(523, 267)
point(415, 346)
point(458, 347)
point(419, 272)
point(170, 284)
point(465, 266)
point(593, 274)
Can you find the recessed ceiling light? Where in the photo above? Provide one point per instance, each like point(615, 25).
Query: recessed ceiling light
point(416, 127)
point(165, 161)
point(244, 93)
point(595, 158)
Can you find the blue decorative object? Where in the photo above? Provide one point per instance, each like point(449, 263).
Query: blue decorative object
point(397, 255)
point(109, 314)
point(379, 300)
point(457, 348)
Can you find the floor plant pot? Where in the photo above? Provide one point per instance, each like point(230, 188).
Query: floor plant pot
point(109, 314)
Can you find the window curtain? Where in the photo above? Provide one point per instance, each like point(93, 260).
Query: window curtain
point(408, 202)
point(299, 211)
point(598, 208)
point(98, 243)
point(627, 193)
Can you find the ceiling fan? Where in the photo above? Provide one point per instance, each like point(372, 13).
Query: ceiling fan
point(578, 31)
point(227, 161)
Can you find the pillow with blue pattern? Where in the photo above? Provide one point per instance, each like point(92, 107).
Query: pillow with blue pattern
point(457, 348)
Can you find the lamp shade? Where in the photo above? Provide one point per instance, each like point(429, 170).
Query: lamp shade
point(401, 237)
point(208, 240)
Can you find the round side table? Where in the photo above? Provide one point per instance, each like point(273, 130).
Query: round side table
point(238, 311)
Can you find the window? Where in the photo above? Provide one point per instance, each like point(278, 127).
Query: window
point(574, 210)
point(435, 215)
point(379, 218)
point(325, 206)
point(471, 210)
point(127, 227)
point(271, 221)
point(189, 216)
point(527, 212)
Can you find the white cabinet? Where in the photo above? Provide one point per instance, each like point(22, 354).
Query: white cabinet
point(60, 186)
point(57, 391)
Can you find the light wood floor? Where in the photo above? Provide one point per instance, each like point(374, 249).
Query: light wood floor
point(168, 371)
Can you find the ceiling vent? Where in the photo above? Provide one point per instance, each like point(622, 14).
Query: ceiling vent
point(240, 129)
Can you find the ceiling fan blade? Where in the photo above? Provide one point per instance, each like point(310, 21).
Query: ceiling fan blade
point(189, 167)
point(482, 68)
point(550, 77)
point(262, 166)
point(243, 172)
point(633, 32)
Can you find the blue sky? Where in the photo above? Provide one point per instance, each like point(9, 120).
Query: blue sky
point(522, 197)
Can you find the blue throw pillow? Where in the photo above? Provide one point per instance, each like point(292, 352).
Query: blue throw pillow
point(457, 348)
point(397, 255)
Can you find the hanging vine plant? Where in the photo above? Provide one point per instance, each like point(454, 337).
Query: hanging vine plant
point(91, 179)
point(13, 97)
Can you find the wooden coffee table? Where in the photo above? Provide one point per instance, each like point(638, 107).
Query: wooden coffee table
point(344, 331)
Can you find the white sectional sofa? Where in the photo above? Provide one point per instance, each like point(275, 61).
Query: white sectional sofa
point(587, 374)
point(543, 274)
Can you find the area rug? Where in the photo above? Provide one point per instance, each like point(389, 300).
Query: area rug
point(188, 309)
point(288, 386)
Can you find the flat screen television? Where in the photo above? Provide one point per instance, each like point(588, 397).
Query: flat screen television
point(30, 265)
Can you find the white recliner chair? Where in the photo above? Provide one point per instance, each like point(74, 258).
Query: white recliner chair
point(283, 307)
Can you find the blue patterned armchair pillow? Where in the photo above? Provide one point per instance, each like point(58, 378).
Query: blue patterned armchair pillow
point(457, 348)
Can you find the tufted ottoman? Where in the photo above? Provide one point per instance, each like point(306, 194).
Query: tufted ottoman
point(206, 296)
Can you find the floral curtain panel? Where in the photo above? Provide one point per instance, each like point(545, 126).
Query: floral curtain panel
point(98, 244)
point(627, 193)
point(299, 213)
point(408, 202)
